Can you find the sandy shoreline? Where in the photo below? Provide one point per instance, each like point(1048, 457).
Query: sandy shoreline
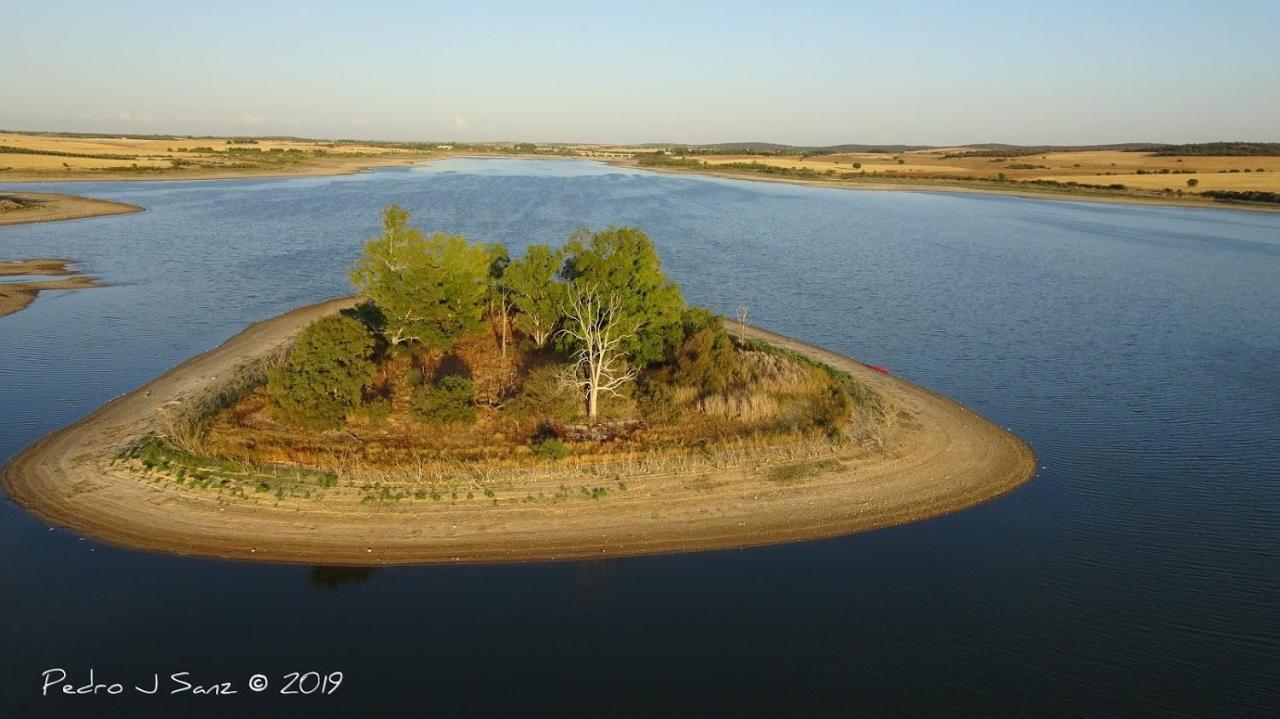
point(943, 459)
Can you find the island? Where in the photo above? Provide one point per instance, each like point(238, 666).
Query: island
point(469, 406)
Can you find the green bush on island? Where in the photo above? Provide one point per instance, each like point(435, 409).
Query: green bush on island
point(705, 358)
point(449, 401)
point(549, 448)
point(325, 375)
point(543, 396)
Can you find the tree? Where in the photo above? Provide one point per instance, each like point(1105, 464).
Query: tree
point(599, 330)
point(498, 297)
point(1192, 182)
point(429, 289)
point(329, 368)
point(622, 262)
point(535, 292)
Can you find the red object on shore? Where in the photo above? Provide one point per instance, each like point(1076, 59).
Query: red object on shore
point(878, 368)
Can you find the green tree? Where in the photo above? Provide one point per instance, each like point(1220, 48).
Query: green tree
point(535, 291)
point(621, 263)
point(326, 373)
point(497, 296)
point(430, 290)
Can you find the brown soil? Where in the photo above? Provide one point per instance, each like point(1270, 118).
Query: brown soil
point(935, 458)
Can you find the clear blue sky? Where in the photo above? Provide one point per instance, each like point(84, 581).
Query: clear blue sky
point(800, 72)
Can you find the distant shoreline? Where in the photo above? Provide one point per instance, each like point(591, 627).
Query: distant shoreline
point(934, 458)
point(880, 184)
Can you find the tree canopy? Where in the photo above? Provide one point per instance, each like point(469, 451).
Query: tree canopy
point(430, 290)
point(623, 262)
point(538, 296)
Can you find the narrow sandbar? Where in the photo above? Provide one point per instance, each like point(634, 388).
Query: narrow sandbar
point(21, 207)
point(15, 296)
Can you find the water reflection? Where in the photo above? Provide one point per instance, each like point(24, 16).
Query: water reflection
point(334, 578)
point(594, 588)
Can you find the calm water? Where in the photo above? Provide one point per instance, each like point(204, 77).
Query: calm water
point(1136, 348)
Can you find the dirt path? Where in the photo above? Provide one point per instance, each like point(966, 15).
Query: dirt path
point(942, 459)
point(17, 208)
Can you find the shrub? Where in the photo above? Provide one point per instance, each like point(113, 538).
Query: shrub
point(1192, 182)
point(413, 377)
point(658, 402)
point(831, 410)
point(705, 358)
point(449, 401)
point(549, 448)
point(326, 373)
point(543, 397)
point(376, 411)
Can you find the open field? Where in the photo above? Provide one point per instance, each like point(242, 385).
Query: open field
point(26, 157)
point(933, 458)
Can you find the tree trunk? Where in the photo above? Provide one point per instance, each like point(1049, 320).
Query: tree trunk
point(504, 329)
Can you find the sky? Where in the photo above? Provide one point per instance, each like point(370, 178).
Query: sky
point(808, 73)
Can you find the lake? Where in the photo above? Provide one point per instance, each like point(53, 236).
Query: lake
point(1136, 348)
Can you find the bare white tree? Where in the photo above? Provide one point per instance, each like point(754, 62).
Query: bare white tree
point(595, 323)
point(743, 313)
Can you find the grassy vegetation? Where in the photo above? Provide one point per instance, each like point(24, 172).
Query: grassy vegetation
point(1250, 196)
point(794, 473)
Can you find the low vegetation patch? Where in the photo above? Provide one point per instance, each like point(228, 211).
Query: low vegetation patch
point(793, 473)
